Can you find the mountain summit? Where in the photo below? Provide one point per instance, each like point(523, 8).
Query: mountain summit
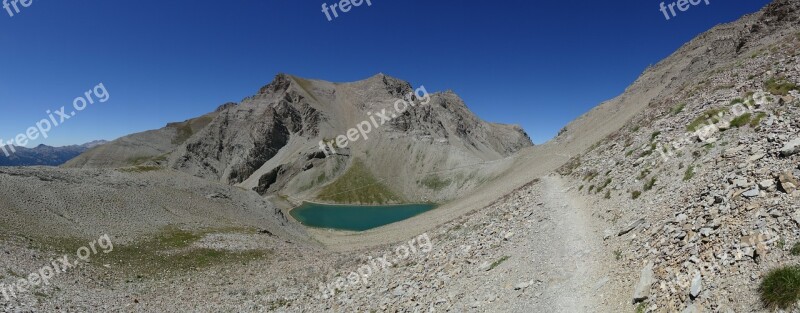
point(269, 143)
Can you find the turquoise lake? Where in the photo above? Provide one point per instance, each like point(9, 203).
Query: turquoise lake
point(354, 217)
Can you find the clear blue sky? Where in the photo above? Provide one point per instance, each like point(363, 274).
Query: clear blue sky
point(539, 64)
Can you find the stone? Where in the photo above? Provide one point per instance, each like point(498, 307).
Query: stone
point(631, 227)
point(756, 157)
point(791, 148)
point(697, 286)
point(523, 285)
point(766, 184)
point(788, 183)
point(646, 279)
point(752, 193)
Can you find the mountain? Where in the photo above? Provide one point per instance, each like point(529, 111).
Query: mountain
point(697, 189)
point(45, 155)
point(270, 142)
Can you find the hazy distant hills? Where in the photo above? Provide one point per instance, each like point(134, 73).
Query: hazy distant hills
point(45, 155)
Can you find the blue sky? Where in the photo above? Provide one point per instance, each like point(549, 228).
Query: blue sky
point(539, 64)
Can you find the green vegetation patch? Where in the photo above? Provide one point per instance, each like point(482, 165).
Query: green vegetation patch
point(795, 249)
point(678, 109)
point(757, 119)
point(649, 184)
point(781, 287)
point(498, 262)
point(168, 252)
point(358, 185)
point(140, 169)
point(689, 173)
point(709, 116)
point(434, 182)
point(779, 87)
point(741, 120)
point(187, 129)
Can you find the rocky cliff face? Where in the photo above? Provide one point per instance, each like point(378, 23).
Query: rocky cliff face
point(701, 183)
point(270, 142)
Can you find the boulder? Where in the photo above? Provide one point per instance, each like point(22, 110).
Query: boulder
point(791, 148)
point(697, 285)
point(646, 279)
point(788, 183)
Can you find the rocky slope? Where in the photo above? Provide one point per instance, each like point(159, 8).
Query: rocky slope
point(700, 188)
point(45, 155)
point(141, 148)
point(270, 142)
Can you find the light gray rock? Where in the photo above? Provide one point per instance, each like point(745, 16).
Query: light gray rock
point(631, 227)
point(752, 193)
point(697, 285)
point(791, 148)
point(646, 279)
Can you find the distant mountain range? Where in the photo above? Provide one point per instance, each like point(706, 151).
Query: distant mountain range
point(46, 155)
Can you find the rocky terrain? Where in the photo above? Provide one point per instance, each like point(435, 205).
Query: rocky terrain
point(700, 188)
point(677, 196)
point(45, 155)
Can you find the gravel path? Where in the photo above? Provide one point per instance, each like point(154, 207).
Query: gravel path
point(564, 258)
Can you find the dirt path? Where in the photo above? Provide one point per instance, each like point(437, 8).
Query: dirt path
point(564, 256)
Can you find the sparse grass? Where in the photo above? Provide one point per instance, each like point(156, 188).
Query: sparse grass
point(434, 182)
point(590, 175)
point(741, 120)
point(187, 129)
point(591, 188)
point(678, 109)
point(168, 252)
point(636, 194)
point(604, 184)
point(277, 304)
point(795, 249)
point(617, 255)
point(568, 168)
point(779, 86)
point(641, 308)
point(649, 151)
point(737, 101)
point(689, 173)
point(580, 188)
point(756, 121)
point(654, 135)
point(608, 194)
point(140, 169)
point(649, 184)
point(138, 160)
point(643, 174)
point(498, 262)
point(780, 288)
point(358, 185)
point(709, 116)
